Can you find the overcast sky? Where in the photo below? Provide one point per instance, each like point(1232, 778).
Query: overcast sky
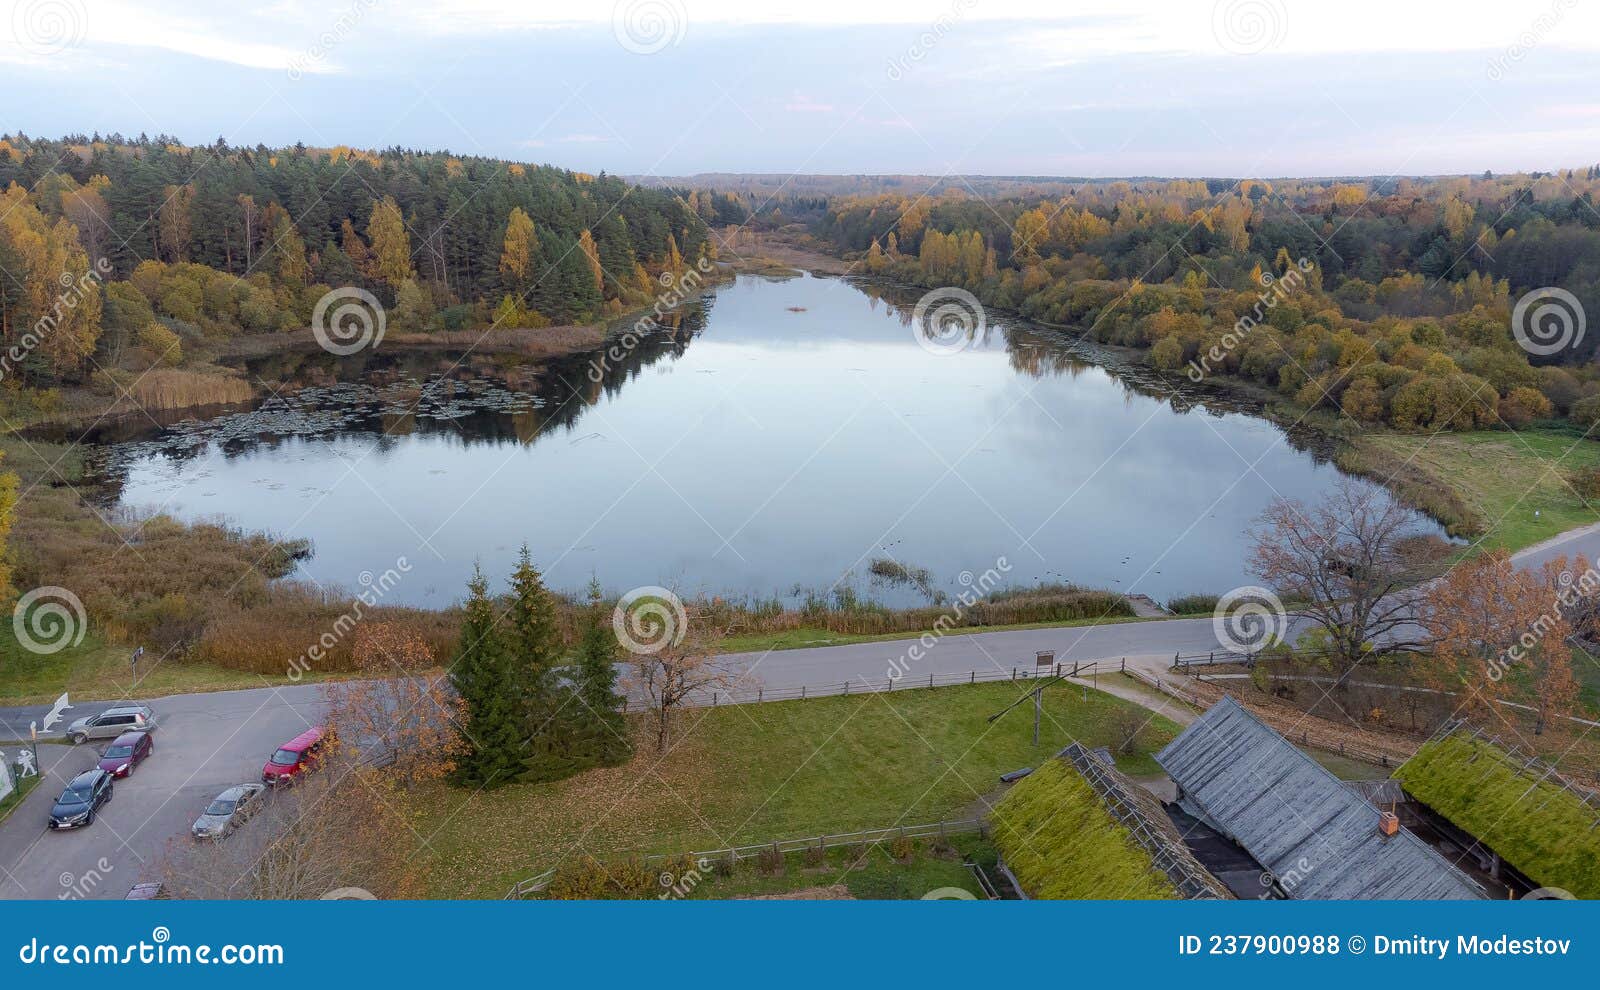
point(671, 87)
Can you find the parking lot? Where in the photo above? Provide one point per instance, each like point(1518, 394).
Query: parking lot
point(203, 743)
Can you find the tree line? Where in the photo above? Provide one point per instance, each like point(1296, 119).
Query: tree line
point(219, 240)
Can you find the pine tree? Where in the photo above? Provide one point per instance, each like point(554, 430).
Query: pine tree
point(603, 733)
point(481, 675)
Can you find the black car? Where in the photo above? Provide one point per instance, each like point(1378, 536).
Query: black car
point(83, 797)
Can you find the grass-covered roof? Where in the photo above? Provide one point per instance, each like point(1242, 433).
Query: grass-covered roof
point(1061, 843)
point(1547, 832)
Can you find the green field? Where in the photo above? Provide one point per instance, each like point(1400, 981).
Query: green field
point(1516, 482)
point(748, 774)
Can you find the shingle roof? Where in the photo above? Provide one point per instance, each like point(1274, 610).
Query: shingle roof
point(1318, 837)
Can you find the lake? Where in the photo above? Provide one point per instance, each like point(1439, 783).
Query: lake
point(781, 437)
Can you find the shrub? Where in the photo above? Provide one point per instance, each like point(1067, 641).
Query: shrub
point(815, 855)
point(769, 861)
point(581, 879)
point(1193, 605)
point(902, 848)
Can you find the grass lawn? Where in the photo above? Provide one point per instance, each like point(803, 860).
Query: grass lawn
point(746, 774)
point(869, 875)
point(796, 639)
point(9, 803)
point(1506, 477)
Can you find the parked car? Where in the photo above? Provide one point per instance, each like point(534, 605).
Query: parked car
point(112, 723)
point(125, 754)
point(83, 797)
point(300, 755)
point(228, 810)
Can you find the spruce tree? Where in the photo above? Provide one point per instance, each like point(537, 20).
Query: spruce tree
point(534, 641)
point(481, 675)
point(603, 733)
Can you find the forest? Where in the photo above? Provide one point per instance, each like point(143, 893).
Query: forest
point(1388, 301)
point(119, 252)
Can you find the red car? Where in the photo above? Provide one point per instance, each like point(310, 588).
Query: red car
point(125, 753)
point(302, 754)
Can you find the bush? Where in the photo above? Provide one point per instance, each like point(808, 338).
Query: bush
point(1586, 482)
point(581, 879)
point(1193, 605)
point(902, 848)
point(769, 861)
point(815, 855)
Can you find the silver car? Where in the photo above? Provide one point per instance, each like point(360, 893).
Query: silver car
point(228, 810)
point(111, 723)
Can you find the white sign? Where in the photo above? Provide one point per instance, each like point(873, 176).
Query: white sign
point(5, 776)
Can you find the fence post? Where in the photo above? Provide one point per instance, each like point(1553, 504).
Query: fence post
point(760, 692)
point(713, 699)
point(802, 692)
point(846, 687)
point(1013, 673)
point(1124, 665)
point(973, 679)
point(891, 684)
point(930, 680)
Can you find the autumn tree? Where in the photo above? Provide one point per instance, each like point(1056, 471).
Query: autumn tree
point(1346, 563)
point(389, 242)
point(174, 222)
point(397, 712)
point(518, 251)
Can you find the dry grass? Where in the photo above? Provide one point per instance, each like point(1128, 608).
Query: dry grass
point(177, 388)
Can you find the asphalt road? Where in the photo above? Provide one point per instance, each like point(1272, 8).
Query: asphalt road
point(204, 743)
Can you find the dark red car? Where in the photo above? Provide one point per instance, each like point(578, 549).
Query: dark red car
point(302, 754)
point(125, 753)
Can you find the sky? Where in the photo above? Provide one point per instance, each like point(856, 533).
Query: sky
point(1231, 88)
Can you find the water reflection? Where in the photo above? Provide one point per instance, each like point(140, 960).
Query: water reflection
point(781, 434)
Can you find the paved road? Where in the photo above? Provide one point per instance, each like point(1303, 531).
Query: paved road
point(204, 743)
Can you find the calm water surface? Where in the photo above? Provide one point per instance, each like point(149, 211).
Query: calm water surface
point(785, 436)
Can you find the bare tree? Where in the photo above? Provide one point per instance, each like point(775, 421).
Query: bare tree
point(1347, 564)
point(674, 665)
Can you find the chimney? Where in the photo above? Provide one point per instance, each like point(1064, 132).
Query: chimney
point(1388, 823)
